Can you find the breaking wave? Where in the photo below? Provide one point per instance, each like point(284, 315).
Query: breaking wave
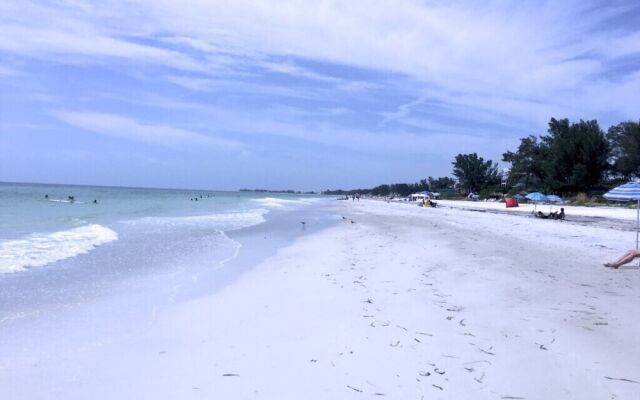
point(39, 249)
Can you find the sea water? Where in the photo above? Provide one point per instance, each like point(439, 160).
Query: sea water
point(82, 283)
point(57, 250)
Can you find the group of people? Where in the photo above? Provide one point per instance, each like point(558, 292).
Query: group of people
point(428, 203)
point(72, 199)
point(200, 197)
point(551, 215)
point(624, 259)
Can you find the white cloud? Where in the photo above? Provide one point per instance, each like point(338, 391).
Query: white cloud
point(402, 111)
point(192, 83)
point(127, 128)
point(297, 71)
point(524, 61)
point(520, 48)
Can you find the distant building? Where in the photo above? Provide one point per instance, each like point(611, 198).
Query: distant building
point(505, 176)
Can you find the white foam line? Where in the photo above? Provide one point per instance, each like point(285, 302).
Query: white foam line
point(44, 248)
point(235, 253)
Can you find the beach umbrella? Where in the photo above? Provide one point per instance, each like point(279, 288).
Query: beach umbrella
point(628, 192)
point(537, 197)
point(552, 198)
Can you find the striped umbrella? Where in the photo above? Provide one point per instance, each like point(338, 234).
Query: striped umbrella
point(627, 192)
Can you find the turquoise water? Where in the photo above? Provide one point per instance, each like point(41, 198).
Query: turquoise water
point(40, 226)
point(25, 209)
point(75, 276)
point(150, 246)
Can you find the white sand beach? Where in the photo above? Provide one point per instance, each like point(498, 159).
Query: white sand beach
point(405, 303)
point(613, 212)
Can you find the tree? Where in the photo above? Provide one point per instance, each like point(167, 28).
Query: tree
point(474, 173)
point(382, 190)
point(442, 183)
point(422, 185)
point(575, 155)
point(526, 163)
point(402, 189)
point(624, 140)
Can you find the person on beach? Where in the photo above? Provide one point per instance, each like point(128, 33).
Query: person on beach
point(626, 258)
point(542, 215)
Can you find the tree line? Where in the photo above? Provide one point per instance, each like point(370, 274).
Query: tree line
point(444, 183)
point(575, 157)
point(568, 159)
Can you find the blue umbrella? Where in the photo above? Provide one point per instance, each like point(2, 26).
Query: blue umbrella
point(627, 192)
point(537, 197)
point(519, 197)
point(552, 198)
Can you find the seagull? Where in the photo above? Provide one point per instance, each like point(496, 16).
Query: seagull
point(353, 222)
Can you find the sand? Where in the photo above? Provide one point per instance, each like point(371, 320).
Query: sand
point(405, 303)
point(615, 211)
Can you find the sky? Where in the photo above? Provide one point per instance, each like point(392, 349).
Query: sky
point(305, 95)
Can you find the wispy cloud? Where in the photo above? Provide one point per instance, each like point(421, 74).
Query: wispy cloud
point(402, 111)
point(407, 76)
point(130, 129)
point(297, 71)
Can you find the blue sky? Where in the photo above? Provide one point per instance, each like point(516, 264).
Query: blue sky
point(305, 95)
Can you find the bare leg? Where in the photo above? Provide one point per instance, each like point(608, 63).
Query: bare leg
point(627, 257)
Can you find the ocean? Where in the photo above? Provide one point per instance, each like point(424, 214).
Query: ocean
point(156, 245)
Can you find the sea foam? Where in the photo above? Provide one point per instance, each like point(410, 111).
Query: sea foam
point(278, 202)
point(220, 221)
point(39, 249)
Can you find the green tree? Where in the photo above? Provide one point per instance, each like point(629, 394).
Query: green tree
point(442, 183)
point(382, 190)
point(624, 140)
point(575, 155)
point(526, 163)
point(402, 189)
point(474, 173)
